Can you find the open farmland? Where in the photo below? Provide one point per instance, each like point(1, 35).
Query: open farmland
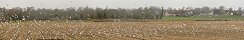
point(205, 18)
point(165, 30)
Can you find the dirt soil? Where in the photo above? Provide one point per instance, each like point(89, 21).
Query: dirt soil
point(165, 30)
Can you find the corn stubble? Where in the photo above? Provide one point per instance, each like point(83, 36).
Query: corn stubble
point(165, 30)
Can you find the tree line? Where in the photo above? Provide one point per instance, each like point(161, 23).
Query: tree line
point(83, 13)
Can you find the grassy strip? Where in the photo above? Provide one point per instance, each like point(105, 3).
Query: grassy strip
point(194, 18)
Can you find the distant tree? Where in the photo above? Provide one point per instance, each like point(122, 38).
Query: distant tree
point(163, 11)
point(221, 10)
point(197, 11)
point(216, 11)
point(238, 12)
point(205, 10)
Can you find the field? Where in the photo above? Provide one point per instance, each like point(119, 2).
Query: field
point(164, 30)
point(206, 18)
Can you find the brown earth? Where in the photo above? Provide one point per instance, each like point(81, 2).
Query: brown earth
point(165, 30)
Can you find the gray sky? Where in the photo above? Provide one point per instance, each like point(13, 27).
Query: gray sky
point(120, 3)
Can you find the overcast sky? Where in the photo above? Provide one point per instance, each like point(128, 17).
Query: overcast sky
point(120, 3)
